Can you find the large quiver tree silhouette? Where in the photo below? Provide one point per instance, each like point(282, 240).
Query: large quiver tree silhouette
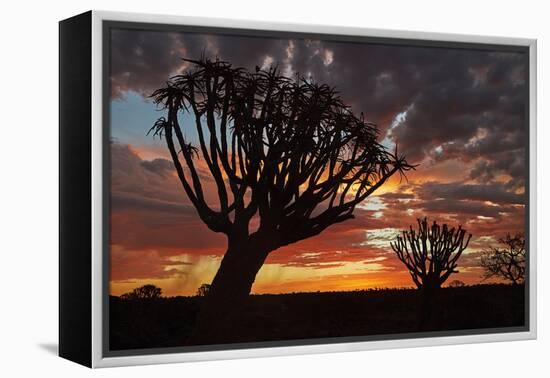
point(285, 152)
point(506, 262)
point(430, 253)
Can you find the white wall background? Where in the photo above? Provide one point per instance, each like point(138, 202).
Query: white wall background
point(28, 185)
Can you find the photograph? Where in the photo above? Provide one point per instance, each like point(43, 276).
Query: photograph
point(275, 190)
point(268, 188)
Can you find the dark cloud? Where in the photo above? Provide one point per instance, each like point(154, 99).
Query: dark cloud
point(142, 61)
point(476, 110)
point(130, 175)
point(151, 211)
point(397, 195)
point(487, 209)
point(124, 201)
point(439, 103)
point(493, 192)
point(469, 208)
point(511, 163)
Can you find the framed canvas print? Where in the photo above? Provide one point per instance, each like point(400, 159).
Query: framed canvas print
point(232, 189)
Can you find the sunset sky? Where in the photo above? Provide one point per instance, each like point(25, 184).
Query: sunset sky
point(458, 113)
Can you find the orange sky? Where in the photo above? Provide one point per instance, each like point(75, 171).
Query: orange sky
point(157, 238)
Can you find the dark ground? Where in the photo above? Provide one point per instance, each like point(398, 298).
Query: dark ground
point(167, 322)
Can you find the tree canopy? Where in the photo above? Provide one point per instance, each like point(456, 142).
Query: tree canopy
point(287, 150)
point(431, 253)
point(506, 261)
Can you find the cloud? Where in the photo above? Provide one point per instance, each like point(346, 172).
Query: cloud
point(130, 202)
point(132, 265)
point(493, 192)
point(159, 166)
point(474, 209)
point(143, 60)
point(512, 164)
point(397, 196)
point(151, 210)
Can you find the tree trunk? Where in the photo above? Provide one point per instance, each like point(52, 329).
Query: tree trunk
point(428, 308)
point(219, 314)
point(430, 286)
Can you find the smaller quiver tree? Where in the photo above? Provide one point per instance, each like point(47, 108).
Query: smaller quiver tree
point(430, 253)
point(508, 262)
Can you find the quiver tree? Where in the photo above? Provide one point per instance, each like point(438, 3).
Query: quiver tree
point(287, 158)
point(506, 262)
point(431, 252)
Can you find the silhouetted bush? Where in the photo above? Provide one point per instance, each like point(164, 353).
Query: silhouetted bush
point(203, 290)
point(456, 283)
point(143, 292)
point(506, 261)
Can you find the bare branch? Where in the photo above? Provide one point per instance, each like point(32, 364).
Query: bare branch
point(431, 252)
point(506, 262)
